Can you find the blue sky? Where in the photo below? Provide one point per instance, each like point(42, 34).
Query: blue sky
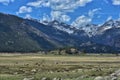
point(69, 11)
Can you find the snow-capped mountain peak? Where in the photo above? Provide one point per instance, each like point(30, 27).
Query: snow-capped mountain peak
point(89, 29)
point(109, 25)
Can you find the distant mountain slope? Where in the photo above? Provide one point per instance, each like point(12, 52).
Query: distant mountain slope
point(16, 35)
point(110, 37)
point(25, 35)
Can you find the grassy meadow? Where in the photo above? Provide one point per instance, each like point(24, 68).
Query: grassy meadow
point(57, 67)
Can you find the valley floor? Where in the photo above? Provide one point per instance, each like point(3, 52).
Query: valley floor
point(55, 67)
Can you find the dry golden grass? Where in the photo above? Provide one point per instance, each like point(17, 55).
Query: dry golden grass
point(55, 65)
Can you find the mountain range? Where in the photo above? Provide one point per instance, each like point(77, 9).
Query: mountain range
point(30, 35)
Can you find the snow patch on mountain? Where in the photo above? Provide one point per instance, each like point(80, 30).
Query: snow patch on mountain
point(68, 30)
point(60, 26)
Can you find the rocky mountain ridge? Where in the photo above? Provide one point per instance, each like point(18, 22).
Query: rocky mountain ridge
point(28, 35)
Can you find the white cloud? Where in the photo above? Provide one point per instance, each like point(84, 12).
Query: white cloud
point(64, 5)
point(109, 18)
point(116, 2)
point(60, 7)
point(35, 4)
point(45, 18)
point(56, 15)
point(91, 13)
point(83, 2)
point(24, 9)
point(60, 16)
point(65, 18)
point(6, 2)
point(81, 21)
point(28, 16)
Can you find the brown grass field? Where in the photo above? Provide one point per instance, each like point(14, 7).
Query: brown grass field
point(59, 67)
